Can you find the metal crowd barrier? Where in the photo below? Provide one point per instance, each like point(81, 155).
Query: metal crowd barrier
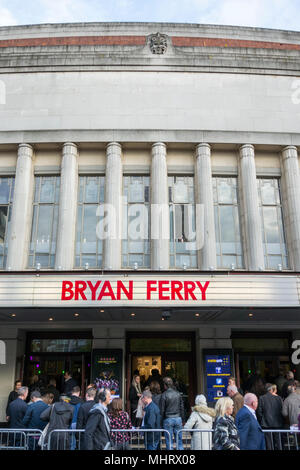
point(282, 439)
point(194, 439)
point(139, 439)
point(65, 439)
point(19, 439)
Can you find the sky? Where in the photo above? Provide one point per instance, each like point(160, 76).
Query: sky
point(278, 14)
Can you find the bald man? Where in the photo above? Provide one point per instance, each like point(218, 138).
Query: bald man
point(250, 432)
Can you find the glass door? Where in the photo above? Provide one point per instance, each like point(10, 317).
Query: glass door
point(178, 369)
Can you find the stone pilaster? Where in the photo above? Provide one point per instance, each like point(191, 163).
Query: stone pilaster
point(66, 232)
point(291, 183)
point(18, 243)
point(207, 257)
point(160, 216)
point(113, 199)
point(253, 243)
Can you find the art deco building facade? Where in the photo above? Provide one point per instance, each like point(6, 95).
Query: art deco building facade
point(149, 202)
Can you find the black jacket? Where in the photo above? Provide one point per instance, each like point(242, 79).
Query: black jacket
point(171, 404)
point(83, 413)
point(11, 397)
point(133, 397)
point(269, 411)
point(68, 385)
point(59, 416)
point(16, 412)
point(97, 430)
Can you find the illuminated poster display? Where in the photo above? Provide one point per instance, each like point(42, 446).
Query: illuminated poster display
point(107, 370)
point(217, 372)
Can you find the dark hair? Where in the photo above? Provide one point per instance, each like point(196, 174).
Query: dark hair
point(102, 394)
point(155, 387)
point(35, 394)
point(155, 372)
point(116, 406)
point(52, 382)
point(18, 381)
point(76, 389)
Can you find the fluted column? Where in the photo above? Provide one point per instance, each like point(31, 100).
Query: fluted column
point(160, 216)
point(113, 199)
point(66, 232)
point(207, 257)
point(291, 177)
point(254, 252)
point(18, 244)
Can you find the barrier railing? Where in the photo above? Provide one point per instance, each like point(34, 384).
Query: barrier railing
point(282, 439)
point(19, 439)
point(135, 439)
point(194, 439)
point(139, 439)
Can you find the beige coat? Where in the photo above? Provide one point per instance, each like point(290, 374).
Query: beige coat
point(201, 418)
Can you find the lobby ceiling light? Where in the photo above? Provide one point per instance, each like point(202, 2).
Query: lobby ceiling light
point(250, 314)
point(132, 314)
point(101, 311)
point(13, 315)
point(76, 314)
point(51, 319)
point(197, 314)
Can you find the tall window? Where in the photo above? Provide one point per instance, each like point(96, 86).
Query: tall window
point(44, 222)
point(136, 222)
point(6, 198)
point(227, 225)
point(275, 251)
point(182, 222)
point(88, 245)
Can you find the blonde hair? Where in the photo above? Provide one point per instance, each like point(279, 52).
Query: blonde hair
point(222, 405)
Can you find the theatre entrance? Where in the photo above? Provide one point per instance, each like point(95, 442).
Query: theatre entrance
point(163, 355)
point(49, 355)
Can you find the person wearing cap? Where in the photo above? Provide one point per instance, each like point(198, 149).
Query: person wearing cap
point(201, 418)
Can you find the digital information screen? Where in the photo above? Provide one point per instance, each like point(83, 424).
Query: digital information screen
point(218, 371)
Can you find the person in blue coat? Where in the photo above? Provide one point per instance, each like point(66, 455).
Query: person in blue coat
point(152, 420)
point(32, 418)
point(250, 432)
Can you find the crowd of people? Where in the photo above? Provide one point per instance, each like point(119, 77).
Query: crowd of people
point(237, 420)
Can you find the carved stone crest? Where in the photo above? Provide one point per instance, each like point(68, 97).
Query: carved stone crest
point(158, 43)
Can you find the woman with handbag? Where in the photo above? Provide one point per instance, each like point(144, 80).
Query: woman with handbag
point(119, 419)
point(135, 393)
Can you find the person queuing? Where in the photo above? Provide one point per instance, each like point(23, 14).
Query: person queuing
point(202, 418)
point(17, 409)
point(225, 436)
point(172, 413)
point(135, 393)
point(97, 429)
point(237, 398)
point(119, 419)
point(32, 419)
point(269, 415)
point(250, 432)
point(13, 394)
point(59, 415)
point(152, 420)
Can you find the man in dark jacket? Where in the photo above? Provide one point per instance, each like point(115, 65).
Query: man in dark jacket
point(97, 430)
point(85, 408)
point(269, 415)
point(286, 387)
point(152, 420)
point(69, 383)
point(76, 402)
point(32, 418)
point(59, 416)
point(17, 409)
point(172, 413)
point(15, 414)
point(13, 394)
